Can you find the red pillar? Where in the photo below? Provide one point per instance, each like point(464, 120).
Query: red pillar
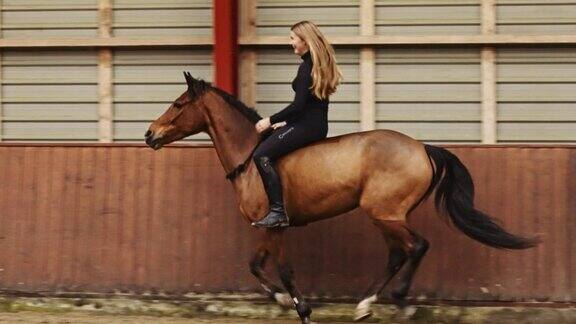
point(226, 45)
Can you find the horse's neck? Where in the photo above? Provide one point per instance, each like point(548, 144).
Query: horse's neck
point(233, 135)
point(234, 138)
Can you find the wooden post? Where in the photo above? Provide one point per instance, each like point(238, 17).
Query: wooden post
point(106, 113)
point(488, 74)
point(248, 57)
point(367, 68)
point(248, 76)
point(105, 81)
point(489, 100)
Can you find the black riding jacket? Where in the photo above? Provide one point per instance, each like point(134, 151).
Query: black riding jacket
point(305, 107)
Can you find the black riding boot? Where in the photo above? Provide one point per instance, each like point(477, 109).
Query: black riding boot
point(276, 216)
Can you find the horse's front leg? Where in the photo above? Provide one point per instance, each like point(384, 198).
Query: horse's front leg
point(287, 276)
point(257, 264)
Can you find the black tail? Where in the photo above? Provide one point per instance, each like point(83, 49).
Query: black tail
point(455, 195)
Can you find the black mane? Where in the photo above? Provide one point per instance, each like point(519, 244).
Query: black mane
point(199, 86)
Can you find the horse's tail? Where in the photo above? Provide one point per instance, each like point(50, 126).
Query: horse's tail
point(455, 196)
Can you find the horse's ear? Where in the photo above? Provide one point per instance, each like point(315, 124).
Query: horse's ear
point(190, 82)
point(188, 78)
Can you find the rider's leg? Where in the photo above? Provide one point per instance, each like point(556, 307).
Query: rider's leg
point(282, 141)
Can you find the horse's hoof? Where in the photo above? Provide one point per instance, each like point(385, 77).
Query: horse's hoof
point(401, 303)
point(363, 310)
point(284, 300)
point(362, 316)
point(399, 299)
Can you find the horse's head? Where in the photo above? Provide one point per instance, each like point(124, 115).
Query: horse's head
point(184, 117)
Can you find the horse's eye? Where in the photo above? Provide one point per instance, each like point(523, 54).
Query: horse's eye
point(177, 105)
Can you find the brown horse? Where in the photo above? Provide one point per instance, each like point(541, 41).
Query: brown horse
point(385, 173)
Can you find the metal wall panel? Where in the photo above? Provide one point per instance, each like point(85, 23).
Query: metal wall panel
point(147, 81)
point(53, 95)
point(277, 68)
point(55, 18)
point(49, 95)
point(433, 17)
point(129, 219)
point(430, 94)
point(536, 17)
point(334, 17)
point(536, 94)
point(157, 18)
point(50, 131)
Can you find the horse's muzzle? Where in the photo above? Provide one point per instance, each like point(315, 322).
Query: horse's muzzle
point(153, 141)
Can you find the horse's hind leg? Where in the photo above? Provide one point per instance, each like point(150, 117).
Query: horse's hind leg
point(415, 256)
point(400, 243)
point(257, 264)
point(287, 276)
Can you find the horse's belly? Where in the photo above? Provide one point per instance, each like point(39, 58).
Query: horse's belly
point(317, 197)
point(306, 212)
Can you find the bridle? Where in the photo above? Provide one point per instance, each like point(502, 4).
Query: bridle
point(239, 169)
point(180, 106)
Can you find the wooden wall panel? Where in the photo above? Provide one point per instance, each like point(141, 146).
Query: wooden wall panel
point(118, 218)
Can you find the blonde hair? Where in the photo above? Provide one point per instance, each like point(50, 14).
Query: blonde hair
point(326, 75)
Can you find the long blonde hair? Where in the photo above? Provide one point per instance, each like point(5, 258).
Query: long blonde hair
point(326, 75)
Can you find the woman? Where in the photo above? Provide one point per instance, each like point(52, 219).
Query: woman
point(304, 121)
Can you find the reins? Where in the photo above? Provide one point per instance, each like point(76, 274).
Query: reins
point(242, 166)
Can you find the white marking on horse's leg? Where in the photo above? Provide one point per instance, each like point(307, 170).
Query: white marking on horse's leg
point(283, 300)
point(410, 311)
point(266, 288)
point(363, 309)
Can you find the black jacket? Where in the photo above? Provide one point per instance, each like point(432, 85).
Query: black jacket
point(305, 104)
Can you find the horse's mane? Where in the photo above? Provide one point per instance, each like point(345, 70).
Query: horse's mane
point(199, 86)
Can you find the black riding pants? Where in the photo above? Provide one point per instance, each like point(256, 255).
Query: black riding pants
point(288, 138)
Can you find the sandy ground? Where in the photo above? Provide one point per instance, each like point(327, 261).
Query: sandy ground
point(116, 311)
point(74, 318)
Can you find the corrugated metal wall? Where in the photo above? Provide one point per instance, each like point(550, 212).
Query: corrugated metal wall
point(52, 95)
point(537, 94)
point(529, 17)
point(115, 218)
point(434, 93)
point(431, 17)
point(153, 18)
point(429, 94)
point(338, 17)
point(49, 19)
point(277, 68)
point(146, 82)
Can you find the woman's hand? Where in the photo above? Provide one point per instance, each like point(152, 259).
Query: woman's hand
point(262, 125)
point(278, 125)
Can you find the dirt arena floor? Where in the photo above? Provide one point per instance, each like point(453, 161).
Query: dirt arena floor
point(44, 318)
point(35, 317)
point(41, 310)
